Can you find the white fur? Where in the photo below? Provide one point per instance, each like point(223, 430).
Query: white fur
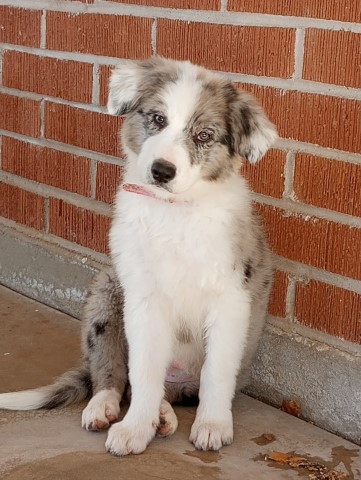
point(25, 400)
point(163, 284)
point(122, 86)
point(168, 143)
point(179, 269)
point(176, 265)
point(102, 409)
point(260, 141)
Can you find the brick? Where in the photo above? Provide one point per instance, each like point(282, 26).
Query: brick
point(19, 115)
point(109, 35)
point(82, 128)
point(229, 48)
point(78, 225)
point(329, 309)
point(20, 26)
point(319, 119)
point(104, 84)
point(346, 11)
point(328, 183)
point(46, 165)
point(21, 206)
point(277, 302)
point(186, 4)
point(108, 179)
point(49, 76)
point(319, 58)
point(267, 176)
point(323, 244)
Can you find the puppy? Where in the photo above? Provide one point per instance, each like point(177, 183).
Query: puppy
point(181, 312)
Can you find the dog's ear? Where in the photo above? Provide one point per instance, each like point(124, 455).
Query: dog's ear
point(131, 80)
point(253, 133)
point(124, 87)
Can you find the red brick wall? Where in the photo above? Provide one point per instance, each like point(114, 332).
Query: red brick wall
point(61, 162)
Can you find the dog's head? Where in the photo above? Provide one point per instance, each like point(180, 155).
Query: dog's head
point(185, 124)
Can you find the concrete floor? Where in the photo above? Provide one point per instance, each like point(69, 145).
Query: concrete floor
point(38, 343)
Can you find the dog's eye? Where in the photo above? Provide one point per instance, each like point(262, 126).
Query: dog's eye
point(159, 120)
point(204, 136)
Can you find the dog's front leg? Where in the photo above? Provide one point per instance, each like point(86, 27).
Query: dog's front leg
point(150, 343)
point(227, 326)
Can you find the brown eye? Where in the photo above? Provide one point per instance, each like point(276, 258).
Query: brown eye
point(159, 120)
point(204, 136)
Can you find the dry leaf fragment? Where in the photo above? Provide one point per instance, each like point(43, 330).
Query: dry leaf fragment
point(291, 407)
point(295, 461)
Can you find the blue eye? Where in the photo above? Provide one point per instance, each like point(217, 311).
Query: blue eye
point(159, 120)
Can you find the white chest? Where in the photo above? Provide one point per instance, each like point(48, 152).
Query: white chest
point(182, 251)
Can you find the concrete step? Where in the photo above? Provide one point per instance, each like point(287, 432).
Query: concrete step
point(38, 343)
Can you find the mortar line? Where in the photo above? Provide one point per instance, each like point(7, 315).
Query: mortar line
point(301, 85)
point(304, 272)
point(308, 211)
point(154, 36)
point(93, 175)
point(224, 6)
point(45, 190)
point(61, 54)
point(46, 214)
point(43, 30)
point(298, 85)
point(317, 150)
point(64, 147)
point(299, 53)
point(289, 171)
point(40, 97)
point(291, 298)
point(203, 16)
point(96, 84)
point(1, 66)
point(290, 328)
point(60, 242)
point(42, 118)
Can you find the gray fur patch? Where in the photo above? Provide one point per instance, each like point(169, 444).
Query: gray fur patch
point(99, 328)
point(183, 334)
point(248, 270)
point(90, 341)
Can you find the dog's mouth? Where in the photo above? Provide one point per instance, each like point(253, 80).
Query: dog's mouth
point(148, 192)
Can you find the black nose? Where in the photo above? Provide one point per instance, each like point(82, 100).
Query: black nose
point(163, 171)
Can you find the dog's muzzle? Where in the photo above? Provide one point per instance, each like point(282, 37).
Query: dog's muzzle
point(163, 171)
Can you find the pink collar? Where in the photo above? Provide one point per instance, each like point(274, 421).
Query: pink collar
point(133, 188)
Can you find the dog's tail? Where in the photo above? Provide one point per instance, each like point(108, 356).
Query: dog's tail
point(72, 387)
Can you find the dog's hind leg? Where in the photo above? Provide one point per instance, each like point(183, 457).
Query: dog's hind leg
point(168, 421)
point(105, 350)
point(183, 393)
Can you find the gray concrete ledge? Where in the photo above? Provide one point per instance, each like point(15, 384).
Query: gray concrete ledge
point(45, 272)
point(323, 379)
point(320, 373)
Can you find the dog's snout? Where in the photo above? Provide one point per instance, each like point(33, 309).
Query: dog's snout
point(163, 171)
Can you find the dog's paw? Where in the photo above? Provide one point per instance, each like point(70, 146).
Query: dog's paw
point(168, 422)
point(101, 411)
point(124, 439)
point(210, 434)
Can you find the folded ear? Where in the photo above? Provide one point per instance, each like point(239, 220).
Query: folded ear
point(124, 87)
point(131, 80)
point(253, 133)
